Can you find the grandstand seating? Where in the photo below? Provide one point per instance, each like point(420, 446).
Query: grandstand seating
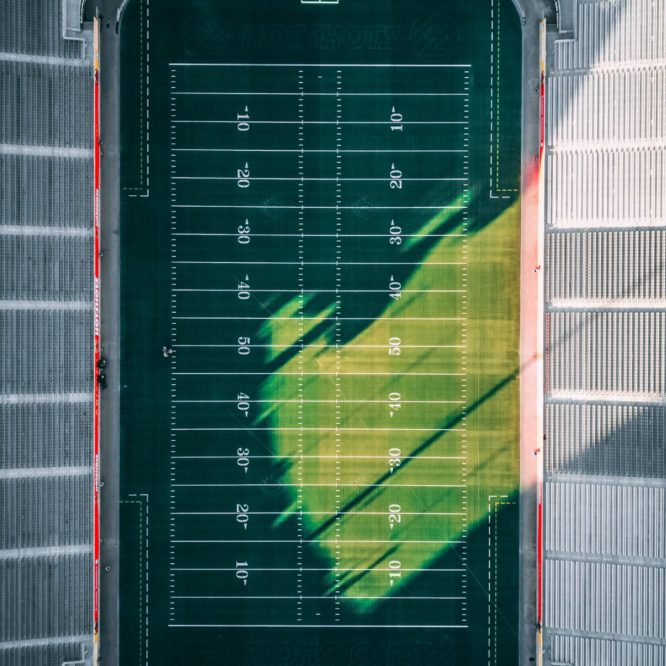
point(605, 370)
point(45, 339)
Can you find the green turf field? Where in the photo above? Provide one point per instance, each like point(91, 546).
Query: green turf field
point(320, 217)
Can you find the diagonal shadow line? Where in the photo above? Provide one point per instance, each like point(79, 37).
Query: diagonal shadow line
point(288, 355)
point(448, 424)
point(349, 581)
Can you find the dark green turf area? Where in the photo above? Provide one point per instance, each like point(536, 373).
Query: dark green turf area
point(320, 217)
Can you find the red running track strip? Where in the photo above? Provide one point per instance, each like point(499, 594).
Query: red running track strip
point(96, 334)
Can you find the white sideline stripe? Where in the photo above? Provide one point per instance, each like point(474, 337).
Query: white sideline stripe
point(44, 398)
point(34, 230)
point(336, 151)
point(607, 396)
point(42, 472)
point(285, 235)
point(319, 291)
point(318, 626)
point(322, 346)
point(319, 319)
point(312, 513)
point(314, 485)
point(395, 541)
point(277, 93)
point(316, 64)
point(42, 60)
point(272, 373)
point(311, 457)
point(324, 122)
point(316, 429)
point(345, 569)
point(334, 207)
point(47, 551)
point(46, 305)
point(294, 597)
point(325, 263)
point(305, 179)
point(307, 401)
point(44, 151)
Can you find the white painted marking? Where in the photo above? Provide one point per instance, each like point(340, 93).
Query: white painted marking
point(316, 65)
point(313, 513)
point(323, 122)
point(301, 401)
point(248, 93)
point(323, 291)
point(278, 373)
point(417, 151)
point(317, 457)
point(334, 179)
point(321, 540)
point(264, 207)
point(342, 569)
point(319, 598)
point(323, 346)
point(320, 319)
point(318, 626)
point(317, 429)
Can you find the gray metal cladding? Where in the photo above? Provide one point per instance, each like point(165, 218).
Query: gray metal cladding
point(621, 351)
point(20, 654)
point(605, 598)
point(34, 27)
point(45, 351)
point(606, 440)
point(614, 522)
point(39, 104)
point(41, 267)
point(52, 192)
point(45, 597)
point(37, 435)
point(605, 265)
point(53, 509)
point(604, 651)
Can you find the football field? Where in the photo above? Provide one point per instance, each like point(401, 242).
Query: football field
point(320, 313)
